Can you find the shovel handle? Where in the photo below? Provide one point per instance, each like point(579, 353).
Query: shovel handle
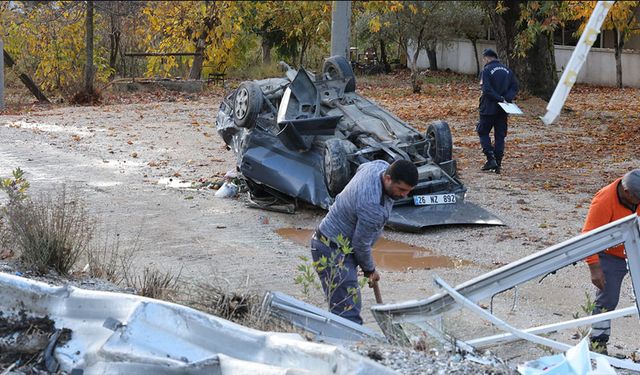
point(376, 292)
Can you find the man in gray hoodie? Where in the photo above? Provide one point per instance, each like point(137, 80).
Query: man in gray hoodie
point(358, 216)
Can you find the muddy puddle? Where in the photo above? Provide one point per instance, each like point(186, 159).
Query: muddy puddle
point(388, 255)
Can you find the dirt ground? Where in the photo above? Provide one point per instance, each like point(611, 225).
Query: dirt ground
point(115, 154)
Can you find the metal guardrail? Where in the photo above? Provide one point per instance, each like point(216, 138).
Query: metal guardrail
point(324, 325)
point(624, 231)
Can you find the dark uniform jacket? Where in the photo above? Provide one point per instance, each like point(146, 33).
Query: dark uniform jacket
point(498, 84)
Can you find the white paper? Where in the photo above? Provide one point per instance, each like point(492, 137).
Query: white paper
point(511, 108)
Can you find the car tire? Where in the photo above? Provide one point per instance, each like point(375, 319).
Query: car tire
point(247, 104)
point(337, 67)
point(440, 141)
point(337, 170)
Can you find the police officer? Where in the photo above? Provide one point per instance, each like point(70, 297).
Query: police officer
point(498, 85)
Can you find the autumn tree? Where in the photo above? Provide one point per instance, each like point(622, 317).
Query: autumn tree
point(47, 40)
point(524, 40)
point(622, 20)
point(364, 38)
point(305, 23)
point(420, 24)
point(469, 22)
point(213, 30)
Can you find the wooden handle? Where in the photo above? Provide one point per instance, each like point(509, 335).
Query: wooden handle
point(376, 291)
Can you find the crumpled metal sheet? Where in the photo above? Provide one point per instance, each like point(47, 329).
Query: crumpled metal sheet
point(115, 333)
point(324, 325)
point(412, 218)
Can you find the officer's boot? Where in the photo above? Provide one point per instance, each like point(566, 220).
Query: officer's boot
point(499, 163)
point(491, 164)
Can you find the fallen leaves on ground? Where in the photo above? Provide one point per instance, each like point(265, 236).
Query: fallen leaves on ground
point(594, 141)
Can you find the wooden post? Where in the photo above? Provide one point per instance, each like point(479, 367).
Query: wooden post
point(1, 78)
point(8, 61)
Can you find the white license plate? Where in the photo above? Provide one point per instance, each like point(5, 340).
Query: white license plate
point(424, 200)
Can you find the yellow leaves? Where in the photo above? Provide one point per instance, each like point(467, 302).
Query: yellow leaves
point(397, 6)
point(374, 24)
point(620, 15)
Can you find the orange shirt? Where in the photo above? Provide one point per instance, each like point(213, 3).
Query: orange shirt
point(605, 208)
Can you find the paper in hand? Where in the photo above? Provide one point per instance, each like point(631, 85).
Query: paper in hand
point(511, 108)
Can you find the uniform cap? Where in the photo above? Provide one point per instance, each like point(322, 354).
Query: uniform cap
point(631, 182)
point(489, 53)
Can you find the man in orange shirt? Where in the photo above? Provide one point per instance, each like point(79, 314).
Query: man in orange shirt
point(608, 268)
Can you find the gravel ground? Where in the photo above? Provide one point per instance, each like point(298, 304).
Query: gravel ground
point(114, 156)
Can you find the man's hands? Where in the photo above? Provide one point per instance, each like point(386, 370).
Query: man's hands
point(597, 276)
point(373, 278)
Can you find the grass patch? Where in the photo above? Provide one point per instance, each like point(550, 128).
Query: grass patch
point(51, 231)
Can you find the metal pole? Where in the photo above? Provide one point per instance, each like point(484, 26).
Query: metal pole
point(340, 22)
point(2, 76)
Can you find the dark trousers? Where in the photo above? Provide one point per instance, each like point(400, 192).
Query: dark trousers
point(339, 281)
point(614, 269)
point(498, 123)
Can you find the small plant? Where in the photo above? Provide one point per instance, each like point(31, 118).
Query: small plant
point(109, 259)
point(306, 276)
point(156, 284)
point(49, 232)
point(588, 307)
point(238, 306)
point(332, 268)
point(15, 187)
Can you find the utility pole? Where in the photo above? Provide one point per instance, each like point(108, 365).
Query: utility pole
point(340, 20)
point(1, 77)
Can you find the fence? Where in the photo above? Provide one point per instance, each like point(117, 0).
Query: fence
point(599, 68)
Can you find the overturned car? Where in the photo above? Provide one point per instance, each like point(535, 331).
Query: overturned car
point(303, 136)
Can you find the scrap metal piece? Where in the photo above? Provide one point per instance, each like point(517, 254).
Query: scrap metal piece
point(412, 218)
point(112, 324)
point(507, 337)
point(165, 338)
point(625, 230)
point(472, 306)
point(49, 361)
point(324, 325)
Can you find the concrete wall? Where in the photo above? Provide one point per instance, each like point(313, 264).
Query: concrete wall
point(598, 69)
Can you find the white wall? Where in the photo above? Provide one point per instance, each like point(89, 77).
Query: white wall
point(599, 68)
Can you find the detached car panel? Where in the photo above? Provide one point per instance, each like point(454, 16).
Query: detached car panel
point(303, 136)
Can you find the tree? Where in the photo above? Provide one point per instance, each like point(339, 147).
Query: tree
point(305, 23)
point(470, 23)
point(47, 40)
point(213, 30)
point(88, 40)
point(622, 19)
point(421, 23)
point(524, 40)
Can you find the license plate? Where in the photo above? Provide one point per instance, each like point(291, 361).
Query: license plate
point(424, 200)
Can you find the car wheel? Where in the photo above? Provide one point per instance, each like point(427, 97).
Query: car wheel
point(337, 67)
point(247, 104)
point(337, 170)
point(440, 141)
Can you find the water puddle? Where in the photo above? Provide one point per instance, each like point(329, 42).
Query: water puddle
point(388, 254)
